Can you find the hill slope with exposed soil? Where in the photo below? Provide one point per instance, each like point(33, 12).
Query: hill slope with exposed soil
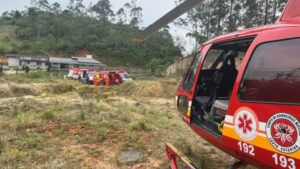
point(179, 67)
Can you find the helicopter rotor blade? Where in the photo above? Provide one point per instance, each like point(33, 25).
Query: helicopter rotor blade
point(169, 17)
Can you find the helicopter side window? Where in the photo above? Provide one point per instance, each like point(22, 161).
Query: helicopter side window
point(191, 75)
point(273, 74)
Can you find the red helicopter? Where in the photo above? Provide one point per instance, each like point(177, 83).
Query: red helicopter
point(242, 91)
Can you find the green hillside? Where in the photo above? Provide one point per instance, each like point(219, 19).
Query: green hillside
point(8, 39)
point(7, 33)
point(44, 28)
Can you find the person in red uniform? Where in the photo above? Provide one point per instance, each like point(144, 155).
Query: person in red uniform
point(114, 78)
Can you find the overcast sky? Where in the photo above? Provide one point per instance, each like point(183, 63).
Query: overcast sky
point(152, 10)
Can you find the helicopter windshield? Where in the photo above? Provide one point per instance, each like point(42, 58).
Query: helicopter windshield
point(191, 75)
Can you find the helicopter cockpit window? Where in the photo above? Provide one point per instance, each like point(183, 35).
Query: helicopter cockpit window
point(273, 74)
point(191, 75)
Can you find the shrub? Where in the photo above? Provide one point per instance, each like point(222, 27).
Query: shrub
point(86, 93)
point(11, 158)
point(102, 134)
point(48, 115)
point(91, 107)
point(2, 145)
point(30, 142)
point(15, 111)
point(140, 125)
point(125, 118)
point(61, 88)
point(182, 143)
point(204, 161)
point(81, 116)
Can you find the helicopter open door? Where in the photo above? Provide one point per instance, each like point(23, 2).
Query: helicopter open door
point(184, 95)
point(214, 84)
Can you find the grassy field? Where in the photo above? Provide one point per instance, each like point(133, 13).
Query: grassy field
point(52, 123)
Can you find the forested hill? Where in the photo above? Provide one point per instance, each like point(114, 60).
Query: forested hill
point(45, 27)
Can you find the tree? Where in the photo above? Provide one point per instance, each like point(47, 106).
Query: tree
point(190, 23)
point(55, 8)
point(121, 15)
point(49, 66)
point(278, 7)
point(234, 17)
point(43, 5)
point(103, 9)
point(135, 13)
point(24, 33)
point(76, 7)
point(27, 69)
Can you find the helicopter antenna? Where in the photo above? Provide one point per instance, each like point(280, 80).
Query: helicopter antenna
point(169, 17)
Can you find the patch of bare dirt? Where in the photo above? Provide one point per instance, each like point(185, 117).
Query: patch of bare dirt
point(112, 100)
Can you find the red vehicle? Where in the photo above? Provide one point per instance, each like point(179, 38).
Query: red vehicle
point(242, 92)
point(115, 77)
point(73, 73)
point(124, 77)
point(70, 74)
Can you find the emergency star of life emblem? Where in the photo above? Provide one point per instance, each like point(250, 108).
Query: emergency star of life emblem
point(245, 124)
point(283, 132)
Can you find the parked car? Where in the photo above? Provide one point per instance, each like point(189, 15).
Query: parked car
point(124, 75)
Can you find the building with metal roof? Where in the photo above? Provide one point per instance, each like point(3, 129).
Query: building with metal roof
point(75, 62)
point(33, 61)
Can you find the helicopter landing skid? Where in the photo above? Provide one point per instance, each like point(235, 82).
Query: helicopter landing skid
point(173, 153)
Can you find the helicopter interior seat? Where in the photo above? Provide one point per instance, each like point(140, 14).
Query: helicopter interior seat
point(222, 85)
point(221, 104)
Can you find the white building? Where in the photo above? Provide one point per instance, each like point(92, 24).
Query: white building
point(33, 61)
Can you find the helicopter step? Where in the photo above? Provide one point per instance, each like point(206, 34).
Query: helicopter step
point(174, 153)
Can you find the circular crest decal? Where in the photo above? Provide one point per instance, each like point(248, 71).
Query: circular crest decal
point(283, 132)
point(245, 124)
